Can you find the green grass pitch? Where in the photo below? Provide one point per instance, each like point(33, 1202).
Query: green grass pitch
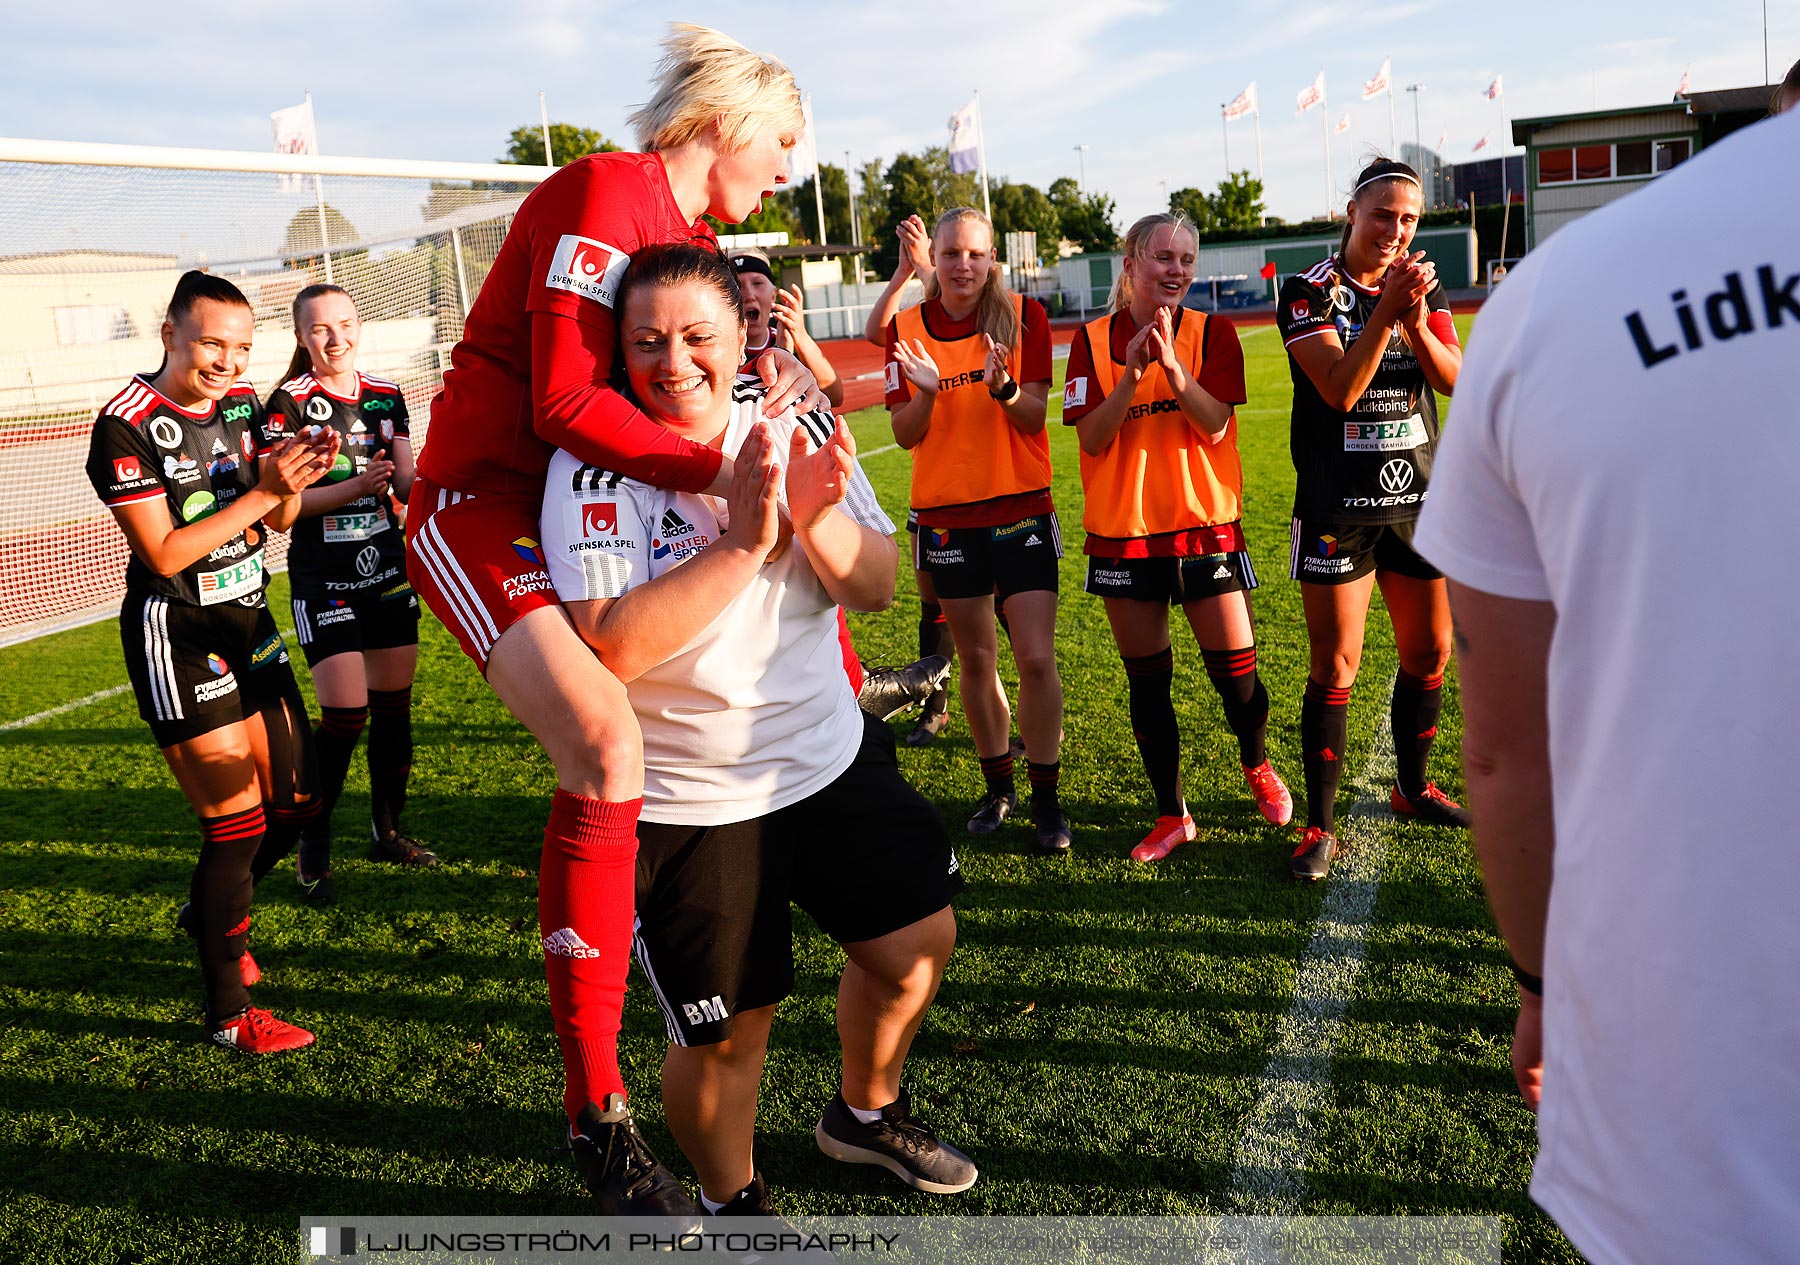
point(1097, 1046)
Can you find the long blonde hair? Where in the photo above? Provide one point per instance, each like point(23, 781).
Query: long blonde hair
point(1137, 246)
point(704, 74)
point(995, 314)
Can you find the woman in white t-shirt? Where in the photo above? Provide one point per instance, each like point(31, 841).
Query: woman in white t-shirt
point(720, 616)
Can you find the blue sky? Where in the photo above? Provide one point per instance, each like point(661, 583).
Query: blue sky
point(1137, 81)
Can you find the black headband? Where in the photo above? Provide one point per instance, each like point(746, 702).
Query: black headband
point(750, 263)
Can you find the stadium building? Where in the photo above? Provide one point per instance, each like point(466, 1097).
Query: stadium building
point(1575, 163)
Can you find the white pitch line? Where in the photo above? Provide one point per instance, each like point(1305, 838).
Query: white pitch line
point(1276, 1146)
point(95, 697)
point(876, 452)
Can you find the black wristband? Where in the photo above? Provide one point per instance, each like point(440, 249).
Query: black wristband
point(1006, 394)
point(1533, 984)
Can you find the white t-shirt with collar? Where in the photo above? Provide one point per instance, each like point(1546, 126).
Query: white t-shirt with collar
point(755, 713)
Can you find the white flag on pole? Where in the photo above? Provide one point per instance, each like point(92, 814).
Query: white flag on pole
point(1482, 143)
point(1442, 137)
point(1343, 124)
point(803, 158)
point(965, 138)
point(1242, 104)
point(1382, 82)
point(294, 134)
point(1493, 89)
point(1311, 95)
point(1682, 91)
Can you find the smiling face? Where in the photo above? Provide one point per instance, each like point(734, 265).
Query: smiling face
point(1383, 218)
point(962, 254)
point(682, 347)
point(206, 352)
point(329, 329)
point(1162, 272)
point(741, 178)
point(759, 302)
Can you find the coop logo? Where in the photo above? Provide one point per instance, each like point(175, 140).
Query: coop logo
point(586, 267)
point(377, 405)
point(599, 518)
point(318, 409)
point(706, 1010)
point(1396, 476)
point(238, 412)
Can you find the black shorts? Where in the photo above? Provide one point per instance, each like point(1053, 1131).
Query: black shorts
point(1172, 580)
point(195, 669)
point(1323, 552)
point(1017, 557)
point(326, 626)
point(865, 856)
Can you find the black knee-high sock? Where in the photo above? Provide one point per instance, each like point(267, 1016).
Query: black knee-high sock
point(219, 904)
point(997, 771)
point(1414, 713)
point(335, 738)
point(390, 756)
point(1150, 682)
point(286, 825)
point(294, 805)
point(934, 638)
point(1246, 702)
point(1324, 731)
point(1044, 779)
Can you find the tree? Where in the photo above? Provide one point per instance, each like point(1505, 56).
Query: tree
point(1196, 206)
point(1087, 219)
point(525, 147)
point(916, 184)
point(1239, 202)
point(300, 244)
point(1024, 208)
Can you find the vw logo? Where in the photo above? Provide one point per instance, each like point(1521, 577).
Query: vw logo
point(369, 557)
point(318, 408)
point(1396, 477)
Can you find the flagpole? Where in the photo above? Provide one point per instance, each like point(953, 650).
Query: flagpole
point(1225, 130)
point(319, 193)
point(544, 123)
point(1256, 114)
point(1393, 130)
point(987, 207)
point(1325, 126)
point(818, 174)
point(1505, 190)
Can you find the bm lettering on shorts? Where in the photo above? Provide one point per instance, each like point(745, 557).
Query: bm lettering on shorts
point(707, 1010)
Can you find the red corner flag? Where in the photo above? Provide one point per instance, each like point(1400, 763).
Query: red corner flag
point(1268, 271)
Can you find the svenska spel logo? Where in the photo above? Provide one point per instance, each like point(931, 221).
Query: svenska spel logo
point(586, 267)
point(599, 518)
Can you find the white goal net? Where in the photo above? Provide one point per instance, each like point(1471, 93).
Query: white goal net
point(92, 242)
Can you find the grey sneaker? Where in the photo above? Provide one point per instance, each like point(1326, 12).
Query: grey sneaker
point(897, 1142)
point(886, 692)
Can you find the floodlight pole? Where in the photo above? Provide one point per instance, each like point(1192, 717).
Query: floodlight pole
point(1418, 139)
point(1081, 151)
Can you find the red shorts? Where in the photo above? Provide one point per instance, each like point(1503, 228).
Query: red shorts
point(476, 561)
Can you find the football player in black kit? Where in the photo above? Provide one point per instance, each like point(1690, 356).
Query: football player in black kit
point(355, 616)
point(1369, 338)
point(173, 455)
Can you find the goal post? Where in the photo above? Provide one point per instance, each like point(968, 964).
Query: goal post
point(93, 241)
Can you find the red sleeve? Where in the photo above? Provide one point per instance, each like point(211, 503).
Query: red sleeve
point(577, 410)
point(1443, 325)
point(1222, 362)
point(1034, 344)
point(1080, 394)
point(898, 389)
point(582, 225)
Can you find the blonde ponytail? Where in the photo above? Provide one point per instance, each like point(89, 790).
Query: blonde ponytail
point(995, 313)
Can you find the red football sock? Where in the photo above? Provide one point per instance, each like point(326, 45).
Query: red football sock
point(585, 890)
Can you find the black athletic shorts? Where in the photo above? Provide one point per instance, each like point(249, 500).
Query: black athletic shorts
point(865, 856)
point(200, 668)
point(1171, 580)
point(326, 626)
point(1337, 553)
point(1018, 557)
